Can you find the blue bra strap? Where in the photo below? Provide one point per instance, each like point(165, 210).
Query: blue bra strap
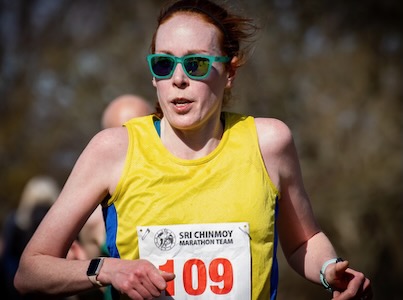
point(157, 124)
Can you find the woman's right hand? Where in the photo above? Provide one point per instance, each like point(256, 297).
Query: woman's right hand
point(138, 279)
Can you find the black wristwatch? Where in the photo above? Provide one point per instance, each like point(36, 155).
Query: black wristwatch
point(93, 270)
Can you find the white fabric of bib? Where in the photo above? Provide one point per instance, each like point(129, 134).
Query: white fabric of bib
point(210, 261)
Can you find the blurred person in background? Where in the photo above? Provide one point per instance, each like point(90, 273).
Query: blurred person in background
point(38, 195)
point(123, 108)
point(196, 164)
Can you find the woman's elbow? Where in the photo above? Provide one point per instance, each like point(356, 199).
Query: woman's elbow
point(20, 283)
point(22, 280)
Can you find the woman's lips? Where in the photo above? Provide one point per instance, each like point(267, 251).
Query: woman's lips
point(182, 105)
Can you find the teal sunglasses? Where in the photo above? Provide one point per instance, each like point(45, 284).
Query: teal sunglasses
point(196, 66)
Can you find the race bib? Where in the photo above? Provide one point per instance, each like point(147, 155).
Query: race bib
point(210, 261)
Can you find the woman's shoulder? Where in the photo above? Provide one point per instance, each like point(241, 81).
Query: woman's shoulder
point(275, 128)
point(273, 134)
point(108, 141)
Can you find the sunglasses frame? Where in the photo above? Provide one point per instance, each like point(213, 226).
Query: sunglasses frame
point(181, 60)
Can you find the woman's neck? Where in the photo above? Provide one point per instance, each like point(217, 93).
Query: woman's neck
point(193, 143)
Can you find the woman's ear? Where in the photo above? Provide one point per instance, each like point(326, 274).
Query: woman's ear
point(154, 82)
point(232, 71)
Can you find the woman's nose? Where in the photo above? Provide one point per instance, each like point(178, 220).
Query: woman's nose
point(179, 77)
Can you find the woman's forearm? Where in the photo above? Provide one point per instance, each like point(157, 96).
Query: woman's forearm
point(308, 259)
point(52, 276)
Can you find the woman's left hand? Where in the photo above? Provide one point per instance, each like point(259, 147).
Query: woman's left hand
point(348, 283)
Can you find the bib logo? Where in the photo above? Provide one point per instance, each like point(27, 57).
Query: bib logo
point(165, 239)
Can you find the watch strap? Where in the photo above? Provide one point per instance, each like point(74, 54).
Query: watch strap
point(322, 277)
point(93, 274)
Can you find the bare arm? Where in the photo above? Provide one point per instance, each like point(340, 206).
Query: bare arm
point(298, 230)
point(305, 246)
point(43, 268)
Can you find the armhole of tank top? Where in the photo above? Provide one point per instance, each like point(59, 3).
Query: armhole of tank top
point(276, 191)
point(112, 198)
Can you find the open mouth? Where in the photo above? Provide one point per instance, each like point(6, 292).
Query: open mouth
point(181, 102)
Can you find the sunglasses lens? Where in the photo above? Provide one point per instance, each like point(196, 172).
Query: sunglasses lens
point(197, 66)
point(162, 66)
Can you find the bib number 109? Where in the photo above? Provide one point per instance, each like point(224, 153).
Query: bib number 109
point(218, 275)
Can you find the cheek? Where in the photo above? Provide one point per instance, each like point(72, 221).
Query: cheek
point(221, 79)
point(217, 87)
point(161, 88)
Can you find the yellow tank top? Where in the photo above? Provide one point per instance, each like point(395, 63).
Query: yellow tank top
point(230, 184)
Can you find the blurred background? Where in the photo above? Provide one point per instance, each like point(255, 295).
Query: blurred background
point(332, 70)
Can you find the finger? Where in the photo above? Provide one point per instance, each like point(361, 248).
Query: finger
point(341, 268)
point(336, 294)
point(367, 284)
point(337, 275)
point(153, 287)
point(367, 293)
point(354, 288)
point(142, 285)
point(137, 291)
point(168, 276)
point(156, 279)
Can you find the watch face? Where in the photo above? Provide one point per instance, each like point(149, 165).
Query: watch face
point(93, 267)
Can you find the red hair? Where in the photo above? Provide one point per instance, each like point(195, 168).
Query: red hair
point(235, 30)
